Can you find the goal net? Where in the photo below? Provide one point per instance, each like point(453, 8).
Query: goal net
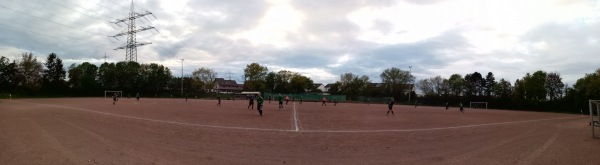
point(478, 105)
point(110, 93)
point(595, 117)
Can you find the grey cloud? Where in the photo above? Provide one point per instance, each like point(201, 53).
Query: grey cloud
point(423, 2)
point(568, 45)
point(240, 14)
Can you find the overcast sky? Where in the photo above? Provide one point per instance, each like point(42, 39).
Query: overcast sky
point(320, 39)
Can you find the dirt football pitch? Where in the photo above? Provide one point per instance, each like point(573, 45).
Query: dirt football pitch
point(175, 131)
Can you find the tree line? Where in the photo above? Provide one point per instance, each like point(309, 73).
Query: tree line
point(32, 78)
point(540, 90)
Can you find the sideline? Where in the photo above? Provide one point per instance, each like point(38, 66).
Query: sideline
point(296, 129)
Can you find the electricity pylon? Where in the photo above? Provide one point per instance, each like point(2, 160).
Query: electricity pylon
point(131, 45)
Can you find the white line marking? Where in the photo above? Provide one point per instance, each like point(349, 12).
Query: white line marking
point(295, 114)
point(431, 129)
point(288, 130)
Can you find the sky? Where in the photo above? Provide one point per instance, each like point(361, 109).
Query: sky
point(320, 39)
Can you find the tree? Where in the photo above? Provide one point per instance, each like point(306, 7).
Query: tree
point(54, 74)
point(535, 86)
point(473, 84)
point(107, 76)
point(128, 76)
point(456, 84)
point(489, 82)
point(519, 90)
point(154, 78)
point(445, 89)
point(503, 89)
point(588, 87)
point(30, 73)
point(254, 77)
point(438, 84)
point(346, 78)
point(206, 76)
point(554, 85)
point(351, 84)
point(270, 81)
point(427, 87)
point(301, 83)
point(283, 79)
point(82, 78)
point(396, 81)
point(335, 88)
point(8, 75)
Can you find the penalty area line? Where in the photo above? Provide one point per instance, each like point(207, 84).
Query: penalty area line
point(162, 121)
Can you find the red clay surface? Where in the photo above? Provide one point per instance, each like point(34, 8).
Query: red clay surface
point(173, 131)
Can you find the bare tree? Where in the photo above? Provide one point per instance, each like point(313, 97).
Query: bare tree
point(395, 80)
point(206, 76)
point(30, 72)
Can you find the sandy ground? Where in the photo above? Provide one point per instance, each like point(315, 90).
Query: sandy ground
point(175, 131)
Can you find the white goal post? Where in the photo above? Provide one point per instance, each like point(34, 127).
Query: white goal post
point(475, 105)
point(594, 117)
point(110, 93)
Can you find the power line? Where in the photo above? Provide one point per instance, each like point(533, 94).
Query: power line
point(46, 35)
point(1, 6)
point(92, 11)
point(131, 45)
point(72, 9)
point(160, 49)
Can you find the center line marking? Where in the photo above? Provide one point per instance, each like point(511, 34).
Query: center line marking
point(295, 114)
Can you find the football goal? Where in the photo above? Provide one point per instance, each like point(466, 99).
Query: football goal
point(595, 117)
point(110, 93)
point(476, 105)
point(8, 96)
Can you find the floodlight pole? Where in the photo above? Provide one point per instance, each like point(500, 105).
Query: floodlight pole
point(181, 77)
point(411, 85)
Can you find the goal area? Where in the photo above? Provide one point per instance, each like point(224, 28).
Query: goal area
point(110, 93)
point(595, 117)
point(478, 105)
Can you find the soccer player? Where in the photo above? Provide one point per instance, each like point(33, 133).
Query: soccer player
point(260, 101)
point(447, 105)
point(335, 101)
point(251, 102)
point(280, 102)
point(390, 105)
point(416, 103)
point(137, 96)
point(219, 99)
point(301, 100)
point(287, 99)
point(461, 108)
point(114, 98)
point(324, 102)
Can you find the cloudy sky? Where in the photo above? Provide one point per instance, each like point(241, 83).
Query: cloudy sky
point(318, 38)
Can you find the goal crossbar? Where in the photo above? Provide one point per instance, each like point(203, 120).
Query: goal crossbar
point(594, 116)
point(478, 103)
